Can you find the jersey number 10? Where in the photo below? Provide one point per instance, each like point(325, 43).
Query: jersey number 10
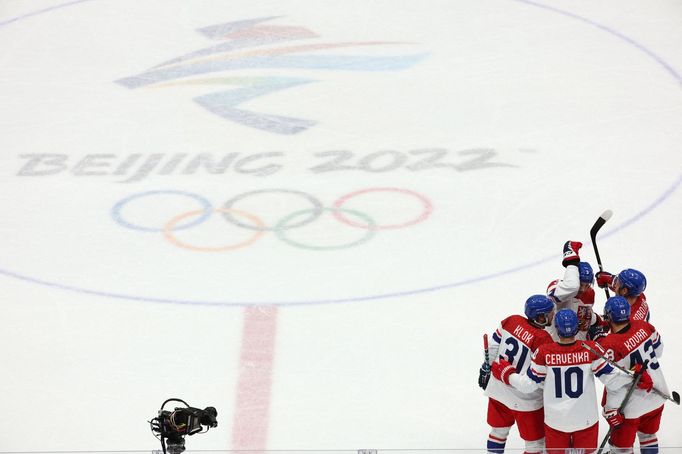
point(565, 384)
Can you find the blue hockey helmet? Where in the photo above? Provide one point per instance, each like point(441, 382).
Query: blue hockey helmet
point(617, 309)
point(586, 273)
point(566, 322)
point(538, 305)
point(632, 280)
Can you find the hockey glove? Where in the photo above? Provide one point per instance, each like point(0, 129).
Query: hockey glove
point(502, 369)
point(614, 417)
point(571, 256)
point(604, 279)
point(484, 375)
point(597, 332)
point(645, 381)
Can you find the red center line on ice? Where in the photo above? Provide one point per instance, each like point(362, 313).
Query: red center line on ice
point(252, 406)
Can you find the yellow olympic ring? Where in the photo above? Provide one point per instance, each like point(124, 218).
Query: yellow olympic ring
point(168, 230)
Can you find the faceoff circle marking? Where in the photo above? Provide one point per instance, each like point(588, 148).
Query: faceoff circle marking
point(646, 210)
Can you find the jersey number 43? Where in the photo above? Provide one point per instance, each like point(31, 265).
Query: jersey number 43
point(636, 356)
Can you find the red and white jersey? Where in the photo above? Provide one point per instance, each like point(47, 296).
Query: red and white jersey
point(640, 310)
point(637, 342)
point(566, 295)
point(587, 296)
point(563, 289)
point(567, 371)
point(585, 311)
point(515, 340)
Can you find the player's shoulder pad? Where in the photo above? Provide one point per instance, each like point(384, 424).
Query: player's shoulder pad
point(538, 356)
point(543, 337)
point(613, 347)
point(642, 324)
point(640, 310)
point(511, 322)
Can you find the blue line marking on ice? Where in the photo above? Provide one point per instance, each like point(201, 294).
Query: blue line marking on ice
point(613, 32)
point(646, 210)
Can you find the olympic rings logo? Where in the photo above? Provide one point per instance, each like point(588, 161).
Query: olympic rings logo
point(252, 222)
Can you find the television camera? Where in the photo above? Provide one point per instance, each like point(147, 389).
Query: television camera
point(171, 427)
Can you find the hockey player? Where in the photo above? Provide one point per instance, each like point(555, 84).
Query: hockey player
point(630, 284)
point(629, 344)
point(515, 341)
point(566, 370)
point(575, 292)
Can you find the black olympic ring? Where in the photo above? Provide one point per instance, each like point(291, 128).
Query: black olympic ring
point(315, 212)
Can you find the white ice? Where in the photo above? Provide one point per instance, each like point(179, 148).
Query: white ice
point(372, 346)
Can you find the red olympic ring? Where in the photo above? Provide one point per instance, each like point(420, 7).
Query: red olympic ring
point(428, 208)
point(168, 230)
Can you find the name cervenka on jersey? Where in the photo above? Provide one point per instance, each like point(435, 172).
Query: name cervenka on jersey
point(137, 166)
point(561, 359)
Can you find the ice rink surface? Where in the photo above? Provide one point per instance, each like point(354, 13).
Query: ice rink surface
point(306, 214)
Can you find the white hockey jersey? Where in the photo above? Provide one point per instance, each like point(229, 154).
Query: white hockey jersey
point(565, 293)
point(567, 371)
point(637, 342)
point(516, 340)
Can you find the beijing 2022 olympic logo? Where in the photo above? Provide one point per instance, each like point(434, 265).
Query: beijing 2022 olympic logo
point(235, 54)
point(243, 219)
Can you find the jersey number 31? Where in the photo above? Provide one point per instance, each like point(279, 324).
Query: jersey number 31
point(513, 350)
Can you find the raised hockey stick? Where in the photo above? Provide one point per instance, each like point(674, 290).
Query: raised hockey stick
point(637, 376)
point(599, 223)
point(675, 397)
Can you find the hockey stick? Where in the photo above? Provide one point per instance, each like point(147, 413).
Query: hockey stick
point(637, 376)
point(485, 349)
point(599, 223)
point(486, 364)
point(675, 397)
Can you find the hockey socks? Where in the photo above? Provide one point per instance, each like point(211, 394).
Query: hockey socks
point(648, 443)
point(497, 439)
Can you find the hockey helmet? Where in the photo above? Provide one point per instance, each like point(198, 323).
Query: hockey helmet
point(586, 273)
point(617, 309)
point(538, 305)
point(632, 280)
point(566, 322)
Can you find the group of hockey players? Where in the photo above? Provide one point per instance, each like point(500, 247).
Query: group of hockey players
point(544, 364)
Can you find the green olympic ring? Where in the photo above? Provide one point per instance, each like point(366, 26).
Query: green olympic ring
point(369, 232)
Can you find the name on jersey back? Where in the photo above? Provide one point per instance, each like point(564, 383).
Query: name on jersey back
point(523, 335)
point(565, 359)
point(636, 339)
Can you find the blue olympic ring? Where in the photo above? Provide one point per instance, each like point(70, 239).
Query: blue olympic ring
point(116, 210)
